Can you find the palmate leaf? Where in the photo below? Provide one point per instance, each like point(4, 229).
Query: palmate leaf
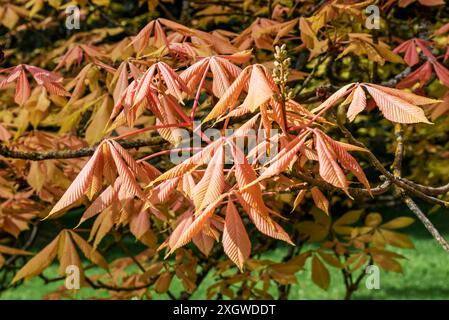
point(330, 171)
point(63, 248)
point(259, 91)
point(395, 105)
point(108, 160)
point(50, 81)
point(186, 231)
point(283, 159)
point(396, 109)
point(339, 151)
point(230, 97)
point(223, 72)
point(411, 56)
point(78, 186)
point(146, 92)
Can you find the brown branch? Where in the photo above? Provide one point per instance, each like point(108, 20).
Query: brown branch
point(434, 191)
point(397, 180)
point(427, 223)
point(397, 171)
point(399, 152)
point(354, 192)
point(69, 154)
point(101, 285)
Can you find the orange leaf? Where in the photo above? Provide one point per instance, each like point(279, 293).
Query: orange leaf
point(39, 262)
point(396, 109)
point(212, 184)
point(236, 242)
point(320, 200)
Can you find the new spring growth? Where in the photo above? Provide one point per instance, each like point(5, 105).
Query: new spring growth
point(281, 71)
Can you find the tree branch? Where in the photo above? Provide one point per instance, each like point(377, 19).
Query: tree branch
point(427, 223)
point(70, 154)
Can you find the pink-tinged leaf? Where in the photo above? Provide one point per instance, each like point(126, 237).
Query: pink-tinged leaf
point(236, 242)
point(423, 45)
point(79, 185)
point(175, 84)
point(266, 225)
point(192, 229)
point(189, 164)
point(103, 201)
point(182, 223)
point(220, 82)
point(135, 167)
point(14, 73)
point(406, 96)
point(411, 55)
point(245, 174)
point(422, 75)
point(140, 42)
point(283, 159)
point(211, 186)
point(121, 81)
point(144, 86)
point(22, 89)
point(128, 178)
point(139, 224)
point(346, 160)
point(442, 73)
point(396, 109)
point(228, 100)
point(340, 93)
point(204, 242)
point(162, 192)
point(192, 75)
point(39, 73)
point(358, 103)
point(330, 171)
point(54, 87)
point(259, 89)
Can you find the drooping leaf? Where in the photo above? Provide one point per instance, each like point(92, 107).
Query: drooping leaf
point(236, 242)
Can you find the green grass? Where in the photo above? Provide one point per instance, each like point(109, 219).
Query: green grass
point(425, 276)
